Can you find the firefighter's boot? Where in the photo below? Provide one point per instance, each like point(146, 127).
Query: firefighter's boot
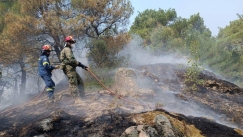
point(50, 102)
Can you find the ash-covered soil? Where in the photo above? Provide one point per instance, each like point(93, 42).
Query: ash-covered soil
point(217, 96)
point(214, 110)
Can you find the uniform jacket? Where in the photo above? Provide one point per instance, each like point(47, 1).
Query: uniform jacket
point(68, 60)
point(44, 67)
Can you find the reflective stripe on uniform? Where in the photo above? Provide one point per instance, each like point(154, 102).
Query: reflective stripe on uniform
point(49, 89)
point(44, 63)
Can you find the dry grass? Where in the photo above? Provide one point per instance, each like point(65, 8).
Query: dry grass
point(239, 131)
point(187, 130)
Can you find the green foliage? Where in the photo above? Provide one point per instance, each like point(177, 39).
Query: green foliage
point(5, 6)
point(230, 37)
point(102, 56)
point(164, 39)
point(197, 23)
point(98, 52)
point(226, 57)
point(146, 21)
point(191, 77)
point(164, 32)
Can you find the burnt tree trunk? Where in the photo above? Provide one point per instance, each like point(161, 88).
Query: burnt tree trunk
point(23, 79)
point(57, 47)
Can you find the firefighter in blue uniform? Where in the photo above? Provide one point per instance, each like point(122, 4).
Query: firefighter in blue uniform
point(45, 69)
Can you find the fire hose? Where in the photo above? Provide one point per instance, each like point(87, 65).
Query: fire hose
point(118, 96)
point(102, 83)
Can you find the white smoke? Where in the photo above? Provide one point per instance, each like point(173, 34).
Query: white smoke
point(138, 55)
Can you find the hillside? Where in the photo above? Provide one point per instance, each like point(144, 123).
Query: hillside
point(153, 103)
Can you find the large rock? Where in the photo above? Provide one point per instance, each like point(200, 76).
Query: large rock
point(46, 124)
point(140, 131)
point(126, 84)
point(162, 128)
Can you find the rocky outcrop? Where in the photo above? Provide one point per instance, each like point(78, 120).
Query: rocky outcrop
point(162, 127)
point(126, 84)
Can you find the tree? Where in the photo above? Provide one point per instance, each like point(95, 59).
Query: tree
point(104, 51)
point(197, 23)
point(81, 18)
point(21, 51)
point(9, 23)
point(146, 21)
point(230, 37)
point(178, 35)
point(230, 57)
point(164, 39)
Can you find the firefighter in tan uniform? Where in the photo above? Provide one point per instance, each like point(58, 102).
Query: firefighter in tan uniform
point(68, 65)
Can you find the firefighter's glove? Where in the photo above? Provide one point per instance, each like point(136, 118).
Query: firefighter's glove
point(57, 66)
point(82, 66)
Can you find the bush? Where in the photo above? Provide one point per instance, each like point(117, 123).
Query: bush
point(103, 52)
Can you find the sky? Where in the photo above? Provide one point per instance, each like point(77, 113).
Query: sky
point(216, 13)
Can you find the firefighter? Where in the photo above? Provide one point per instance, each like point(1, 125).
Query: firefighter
point(45, 69)
point(68, 65)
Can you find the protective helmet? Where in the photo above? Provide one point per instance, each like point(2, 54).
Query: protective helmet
point(46, 48)
point(70, 39)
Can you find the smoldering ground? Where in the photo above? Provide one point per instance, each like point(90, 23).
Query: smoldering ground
point(165, 82)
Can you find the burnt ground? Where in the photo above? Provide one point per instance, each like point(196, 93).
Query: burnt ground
point(65, 125)
point(108, 125)
point(215, 94)
point(207, 127)
point(102, 115)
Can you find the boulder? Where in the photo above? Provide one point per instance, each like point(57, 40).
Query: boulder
point(126, 84)
point(162, 128)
